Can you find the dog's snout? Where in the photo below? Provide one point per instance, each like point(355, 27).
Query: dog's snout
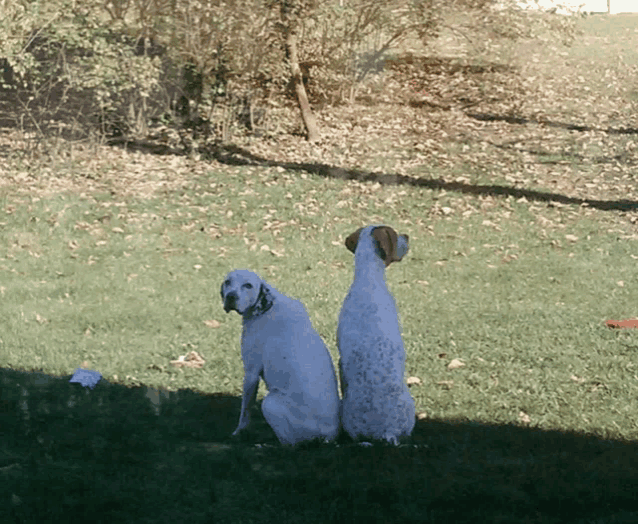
point(230, 302)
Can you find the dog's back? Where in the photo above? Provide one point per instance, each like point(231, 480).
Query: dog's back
point(304, 372)
point(306, 364)
point(376, 400)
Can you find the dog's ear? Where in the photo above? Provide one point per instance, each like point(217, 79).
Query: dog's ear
point(224, 282)
point(387, 241)
point(262, 304)
point(386, 238)
point(353, 239)
point(265, 298)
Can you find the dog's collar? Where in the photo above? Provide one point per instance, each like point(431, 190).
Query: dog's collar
point(264, 302)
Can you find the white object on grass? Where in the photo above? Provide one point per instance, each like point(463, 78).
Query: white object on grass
point(86, 377)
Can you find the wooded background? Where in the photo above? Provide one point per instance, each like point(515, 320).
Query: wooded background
point(205, 68)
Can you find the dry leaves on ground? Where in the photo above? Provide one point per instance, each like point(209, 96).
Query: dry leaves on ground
point(191, 360)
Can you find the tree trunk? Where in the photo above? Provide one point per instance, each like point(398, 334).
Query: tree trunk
point(307, 115)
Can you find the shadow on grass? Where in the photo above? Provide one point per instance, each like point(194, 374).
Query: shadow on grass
point(118, 454)
point(491, 117)
point(237, 156)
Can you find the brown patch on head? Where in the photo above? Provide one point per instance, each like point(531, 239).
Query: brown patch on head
point(353, 239)
point(386, 239)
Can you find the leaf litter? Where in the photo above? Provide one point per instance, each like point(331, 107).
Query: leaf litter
point(532, 122)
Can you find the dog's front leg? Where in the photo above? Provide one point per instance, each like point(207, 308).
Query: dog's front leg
point(251, 381)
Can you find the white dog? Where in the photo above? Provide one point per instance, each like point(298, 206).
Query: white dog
point(279, 344)
point(376, 401)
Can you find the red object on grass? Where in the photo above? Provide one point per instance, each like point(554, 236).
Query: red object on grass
point(629, 323)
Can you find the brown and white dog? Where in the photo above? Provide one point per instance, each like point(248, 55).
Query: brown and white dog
point(376, 402)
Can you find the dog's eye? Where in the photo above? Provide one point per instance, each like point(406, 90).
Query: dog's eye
point(248, 285)
point(227, 283)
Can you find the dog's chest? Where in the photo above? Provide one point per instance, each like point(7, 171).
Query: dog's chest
point(255, 337)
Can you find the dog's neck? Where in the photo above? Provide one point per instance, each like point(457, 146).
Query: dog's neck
point(264, 302)
point(368, 264)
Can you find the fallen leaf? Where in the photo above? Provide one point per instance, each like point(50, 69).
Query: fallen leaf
point(597, 386)
point(524, 417)
point(629, 323)
point(414, 381)
point(489, 223)
point(212, 323)
point(456, 363)
point(191, 360)
point(571, 238)
point(421, 415)
point(446, 383)
point(580, 380)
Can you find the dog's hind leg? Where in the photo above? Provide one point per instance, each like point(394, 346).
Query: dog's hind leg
point(276, 411)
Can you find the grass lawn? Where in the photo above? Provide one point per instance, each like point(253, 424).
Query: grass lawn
point(523, 242)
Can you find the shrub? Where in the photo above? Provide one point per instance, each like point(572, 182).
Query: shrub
point(68, 68)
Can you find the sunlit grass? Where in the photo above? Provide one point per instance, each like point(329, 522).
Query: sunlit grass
point(518, 291)
point(117, 267)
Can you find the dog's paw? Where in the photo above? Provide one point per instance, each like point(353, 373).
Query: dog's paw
point(392, 440)
point(241, 426)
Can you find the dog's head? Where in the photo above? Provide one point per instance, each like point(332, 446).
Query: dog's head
point(246, 293)
point(390, 246)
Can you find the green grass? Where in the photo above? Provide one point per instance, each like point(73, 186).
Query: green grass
point(115, 259)
point(128, 284)
point(500, 288)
